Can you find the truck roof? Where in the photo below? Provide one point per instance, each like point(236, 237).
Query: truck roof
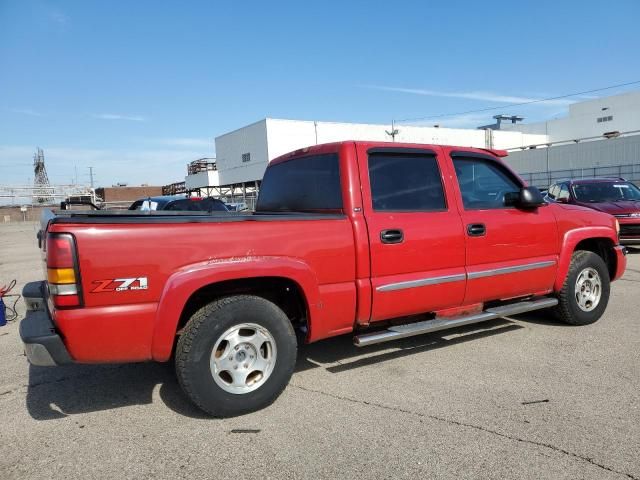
point(332, 147)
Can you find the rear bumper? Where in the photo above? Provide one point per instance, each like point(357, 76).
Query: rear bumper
point(42, 344)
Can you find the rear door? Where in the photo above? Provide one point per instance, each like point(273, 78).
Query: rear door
point(415, 231)
point(509, 252)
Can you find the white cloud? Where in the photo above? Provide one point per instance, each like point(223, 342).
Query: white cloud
point(187, 142)
point(59, 18)
point(467, 120)
point(115, 116)
point(26, 111)
point(473, 95)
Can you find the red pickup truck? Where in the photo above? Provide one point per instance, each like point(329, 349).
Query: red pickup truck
point(386, 240)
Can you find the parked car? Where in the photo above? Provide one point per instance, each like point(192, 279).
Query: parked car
point(383, 240)
point(179, 203)
point(614, 196)
point(237, 206)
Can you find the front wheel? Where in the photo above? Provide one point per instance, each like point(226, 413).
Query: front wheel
point(585, 292)
point(236, 355)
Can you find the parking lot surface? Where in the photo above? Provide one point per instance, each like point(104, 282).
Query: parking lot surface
point(522, 397)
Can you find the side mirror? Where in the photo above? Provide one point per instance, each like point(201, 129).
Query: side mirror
point(562, 200)
point(530, 197)
point(526, 198)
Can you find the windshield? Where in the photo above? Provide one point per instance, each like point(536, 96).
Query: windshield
point(606, 192)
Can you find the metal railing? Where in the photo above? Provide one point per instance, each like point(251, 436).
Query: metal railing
point(544, 179)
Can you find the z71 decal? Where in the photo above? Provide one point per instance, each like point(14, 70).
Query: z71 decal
point(120, 284)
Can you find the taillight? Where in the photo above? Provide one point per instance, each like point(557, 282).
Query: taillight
point(63, 276)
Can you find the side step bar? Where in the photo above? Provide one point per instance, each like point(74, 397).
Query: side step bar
point(427, 326)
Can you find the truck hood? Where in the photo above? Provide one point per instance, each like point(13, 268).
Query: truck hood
point(622, 207)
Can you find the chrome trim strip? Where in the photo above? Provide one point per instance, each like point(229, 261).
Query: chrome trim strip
point(63, 289)
point(461, 276)
point(505, 270)
point(422, 282)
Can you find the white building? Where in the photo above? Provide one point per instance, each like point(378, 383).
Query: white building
point(590, 118)
point(242, 155)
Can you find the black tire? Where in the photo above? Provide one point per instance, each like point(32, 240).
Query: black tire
point(568, 310)
point(202, 332)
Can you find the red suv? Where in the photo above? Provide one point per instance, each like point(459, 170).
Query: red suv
point(614, 196)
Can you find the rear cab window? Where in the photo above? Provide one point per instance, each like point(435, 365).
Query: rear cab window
point(302, 184)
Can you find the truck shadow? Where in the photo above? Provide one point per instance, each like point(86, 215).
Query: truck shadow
point(55, 393)
point(341, 355)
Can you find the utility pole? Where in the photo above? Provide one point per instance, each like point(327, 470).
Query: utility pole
point(91, 175)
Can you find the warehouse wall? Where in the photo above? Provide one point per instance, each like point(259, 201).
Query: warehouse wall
point(14, 214)
point(598, 153)
point(230, 147)
point(127, 194)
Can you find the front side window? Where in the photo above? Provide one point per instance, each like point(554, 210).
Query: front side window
point(553, 191)
point(484, 183)
point(564, 192)
point(405, 183)
point(306, 184)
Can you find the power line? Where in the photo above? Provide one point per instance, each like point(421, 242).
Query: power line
point(488, 109)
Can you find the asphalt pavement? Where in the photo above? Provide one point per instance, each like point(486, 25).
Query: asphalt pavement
point(522, 397)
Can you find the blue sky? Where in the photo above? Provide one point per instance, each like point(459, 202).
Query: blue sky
point(139, 88)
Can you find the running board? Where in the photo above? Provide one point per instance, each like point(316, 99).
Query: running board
point(427, 326)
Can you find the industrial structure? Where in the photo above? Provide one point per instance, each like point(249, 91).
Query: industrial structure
point(42, 192)
point(40, 179)
point(597, 137)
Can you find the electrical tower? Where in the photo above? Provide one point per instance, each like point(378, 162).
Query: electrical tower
point(42, 189)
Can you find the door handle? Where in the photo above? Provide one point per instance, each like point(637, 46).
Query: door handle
point(391, 236)
point(476, 229)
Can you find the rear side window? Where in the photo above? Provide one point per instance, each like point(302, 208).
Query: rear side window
point(184, 205)
point(405, 183)
point(484, 183)
point(303, 184)
point(213, 204)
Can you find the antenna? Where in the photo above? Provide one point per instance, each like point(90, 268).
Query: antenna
point(394, 131)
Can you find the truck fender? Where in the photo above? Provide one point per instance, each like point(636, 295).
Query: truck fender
point(184, 282)
point(569, 243)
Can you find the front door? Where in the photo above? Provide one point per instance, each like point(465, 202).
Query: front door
point(509, 252)
point(415, 232)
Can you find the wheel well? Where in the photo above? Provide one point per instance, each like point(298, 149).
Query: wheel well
point(283, 292)
point(602, 247)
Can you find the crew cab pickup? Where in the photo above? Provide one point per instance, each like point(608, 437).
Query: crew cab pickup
point(382, 240)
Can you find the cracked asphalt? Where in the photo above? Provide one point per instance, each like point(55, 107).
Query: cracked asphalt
point(521, 397)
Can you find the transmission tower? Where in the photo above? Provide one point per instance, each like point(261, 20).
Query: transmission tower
point(42, 189)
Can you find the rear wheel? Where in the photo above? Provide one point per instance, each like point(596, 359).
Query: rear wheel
point(236, 355)
point(585, 292)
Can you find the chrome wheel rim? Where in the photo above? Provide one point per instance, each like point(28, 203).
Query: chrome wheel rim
point(588, 289)
point(243, 358)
